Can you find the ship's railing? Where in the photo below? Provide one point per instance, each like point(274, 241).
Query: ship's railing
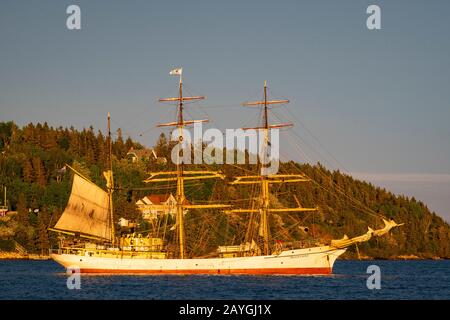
point(300, 244)
point(230, 249)
point(278, 247)
point(150, 252)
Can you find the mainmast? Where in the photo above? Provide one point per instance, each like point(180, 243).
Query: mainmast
point(180, 182)
point(265, 180)
point(180, 175)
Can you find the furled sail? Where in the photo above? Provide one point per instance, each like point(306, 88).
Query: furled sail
point(346, 242)
point(87, 212)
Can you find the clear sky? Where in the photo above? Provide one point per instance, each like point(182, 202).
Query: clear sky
point(378, 101)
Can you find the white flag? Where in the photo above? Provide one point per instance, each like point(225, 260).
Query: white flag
point(177, 72)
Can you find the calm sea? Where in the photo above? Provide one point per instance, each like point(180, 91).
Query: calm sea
point(399, 280)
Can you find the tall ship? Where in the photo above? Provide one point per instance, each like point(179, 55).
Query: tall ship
point(89, 220)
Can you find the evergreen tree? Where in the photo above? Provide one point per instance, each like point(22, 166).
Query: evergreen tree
point(39, 172)
point(22, 211)
point(74, 142)
point(119, 148)
point(162, 146)
point(27, 171)
point(128, 144)
point(43, 241)
point(23, 232)
point(102, 149)
point(6, 129)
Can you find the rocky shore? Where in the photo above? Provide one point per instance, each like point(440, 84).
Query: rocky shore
point(353, 256)
point(20, 256)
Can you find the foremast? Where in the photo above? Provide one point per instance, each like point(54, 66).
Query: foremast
point(264, 179)
point(110, 183)
point(89, 212)
point(180, 175)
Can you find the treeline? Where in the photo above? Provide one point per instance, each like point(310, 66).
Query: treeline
point(31, 167)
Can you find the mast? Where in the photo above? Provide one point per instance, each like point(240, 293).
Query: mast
point(266, 120)
point(180, 175)
point(89, 212)
point(266, 180)
point(110, 183)
point(180, 181)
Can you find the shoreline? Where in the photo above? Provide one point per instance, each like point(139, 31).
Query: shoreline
point(19, 256)
point(396, 258)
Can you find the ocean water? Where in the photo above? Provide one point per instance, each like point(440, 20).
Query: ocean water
point(399, 280)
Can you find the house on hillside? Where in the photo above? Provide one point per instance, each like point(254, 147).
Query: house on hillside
point(154, 205)
point(136, 155)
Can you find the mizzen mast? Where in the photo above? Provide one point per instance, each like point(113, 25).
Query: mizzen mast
point(264, 179)
point(180, 175)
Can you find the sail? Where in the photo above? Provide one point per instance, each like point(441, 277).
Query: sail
point(388, 225)
point(87, 212)
point(346, 242)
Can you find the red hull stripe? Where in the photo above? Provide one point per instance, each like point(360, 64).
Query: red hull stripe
point(215, 271)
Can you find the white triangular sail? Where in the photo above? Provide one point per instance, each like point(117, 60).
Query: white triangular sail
point(87, 212)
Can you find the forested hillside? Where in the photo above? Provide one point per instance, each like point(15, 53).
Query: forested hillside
point(32, 159)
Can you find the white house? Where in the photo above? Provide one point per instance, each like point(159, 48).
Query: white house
point(154, 205)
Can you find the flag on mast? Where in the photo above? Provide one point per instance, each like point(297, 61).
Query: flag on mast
point(176, 72)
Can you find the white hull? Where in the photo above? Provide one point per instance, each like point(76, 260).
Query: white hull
point(316, 260)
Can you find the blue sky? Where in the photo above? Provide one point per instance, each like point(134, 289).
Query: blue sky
point(378, 101)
